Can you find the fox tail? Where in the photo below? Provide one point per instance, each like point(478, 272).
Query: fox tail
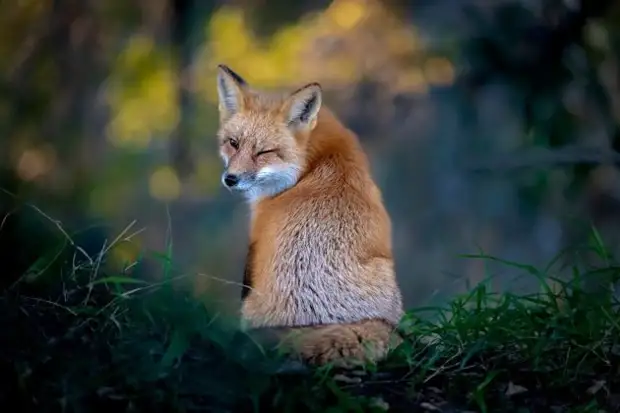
point(342, 345)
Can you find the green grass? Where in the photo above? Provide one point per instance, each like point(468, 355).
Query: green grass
point(79, 337)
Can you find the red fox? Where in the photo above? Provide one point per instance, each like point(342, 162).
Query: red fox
point(320, 257)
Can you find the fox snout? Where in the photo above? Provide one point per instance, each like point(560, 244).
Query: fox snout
point(237, 180)
point(230, 180)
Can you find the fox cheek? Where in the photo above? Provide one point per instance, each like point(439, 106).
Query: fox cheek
point(225, 159)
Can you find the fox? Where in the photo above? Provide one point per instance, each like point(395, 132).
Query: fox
point(319, 270)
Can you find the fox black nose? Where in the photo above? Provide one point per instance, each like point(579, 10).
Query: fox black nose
point(231, 180)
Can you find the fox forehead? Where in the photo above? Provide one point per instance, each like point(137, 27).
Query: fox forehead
point(255, 126)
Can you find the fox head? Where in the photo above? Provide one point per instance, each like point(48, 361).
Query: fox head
point(262, 136)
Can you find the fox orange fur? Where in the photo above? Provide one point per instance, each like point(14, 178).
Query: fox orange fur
point(319, 267)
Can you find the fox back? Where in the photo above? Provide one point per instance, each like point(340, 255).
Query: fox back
point(320, 240)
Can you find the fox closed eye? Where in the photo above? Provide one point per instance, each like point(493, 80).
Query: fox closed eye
point(263, 152)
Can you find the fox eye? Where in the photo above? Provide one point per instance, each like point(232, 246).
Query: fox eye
point(234, 143)
point(266, 151)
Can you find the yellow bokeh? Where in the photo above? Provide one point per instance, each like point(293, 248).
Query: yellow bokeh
point(128, 127)
point(346, 13)
point(412, 81)
point(234, 44)
point(125, 253)
point(229, 31)
point(439, 71)
point(138, 48)
point(164, 184)
point(36, 162)
point(142, 95)
point(402, 40)
point(337, 46)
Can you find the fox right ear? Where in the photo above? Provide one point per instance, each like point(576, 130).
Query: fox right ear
point(230, 88)
point(303, 106)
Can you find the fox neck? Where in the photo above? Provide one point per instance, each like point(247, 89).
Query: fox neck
point(331, 143)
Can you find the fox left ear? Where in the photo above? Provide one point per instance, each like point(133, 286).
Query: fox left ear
point(302, 107)
point(230, 89)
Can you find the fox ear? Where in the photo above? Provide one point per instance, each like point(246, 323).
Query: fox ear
point(302, 107)
point(230, 88)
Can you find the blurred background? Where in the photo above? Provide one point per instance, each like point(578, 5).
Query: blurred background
point(491, 126)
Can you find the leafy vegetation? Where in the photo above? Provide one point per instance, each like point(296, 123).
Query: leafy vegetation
point(80, 336)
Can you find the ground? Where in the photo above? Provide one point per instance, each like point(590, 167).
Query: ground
point(79, 338)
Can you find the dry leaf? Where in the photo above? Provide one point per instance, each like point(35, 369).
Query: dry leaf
point(429, 407)
point(514, 389)
point(345, 379)
point(596, 387)
point(380, 403)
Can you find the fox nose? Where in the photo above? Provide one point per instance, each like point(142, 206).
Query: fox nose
point(231, 180)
